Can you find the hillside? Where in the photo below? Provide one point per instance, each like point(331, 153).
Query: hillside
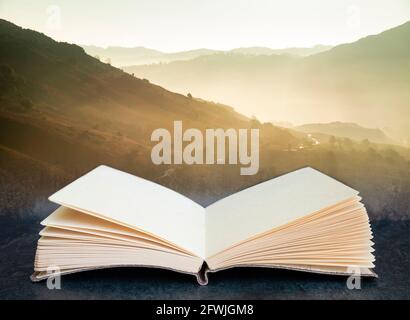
point(365, 82)
point(71, 112)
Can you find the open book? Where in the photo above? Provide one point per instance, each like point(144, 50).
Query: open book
point(303, 220)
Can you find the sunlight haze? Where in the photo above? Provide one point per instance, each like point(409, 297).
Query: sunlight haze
point(223, 24)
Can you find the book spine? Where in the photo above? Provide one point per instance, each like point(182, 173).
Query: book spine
point(202, 275)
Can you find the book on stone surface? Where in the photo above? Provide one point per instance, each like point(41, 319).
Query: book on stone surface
point(303, 220)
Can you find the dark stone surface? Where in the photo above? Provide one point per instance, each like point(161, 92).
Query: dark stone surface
point(17, 249)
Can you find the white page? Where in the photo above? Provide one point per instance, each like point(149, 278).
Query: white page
point(270, 204)
point(138, 203)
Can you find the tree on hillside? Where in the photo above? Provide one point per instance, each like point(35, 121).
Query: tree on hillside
point(8, 78)
point(255, 123)
point(365, 143)
point(332, 140)
point(26, 103)
point(348, 142)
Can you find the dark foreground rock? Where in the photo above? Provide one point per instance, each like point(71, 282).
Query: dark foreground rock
point(17, 249)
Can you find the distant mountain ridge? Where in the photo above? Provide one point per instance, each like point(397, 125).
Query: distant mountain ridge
point(124, 57)
point(393, 40)
point(365, 82)
point(303, 52)
point(346, 130)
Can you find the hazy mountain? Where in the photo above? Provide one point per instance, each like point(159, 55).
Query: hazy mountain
point(120, 56)
point(365, 82)
point(346, 130)
point(290, 51)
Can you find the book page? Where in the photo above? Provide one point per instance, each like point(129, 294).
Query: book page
point(137, 203)
point(269, 205)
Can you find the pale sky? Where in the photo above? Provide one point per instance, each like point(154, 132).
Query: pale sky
point(175, 25)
